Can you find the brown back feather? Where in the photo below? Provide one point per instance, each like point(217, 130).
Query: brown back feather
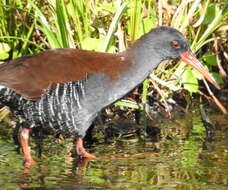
point(32, 75)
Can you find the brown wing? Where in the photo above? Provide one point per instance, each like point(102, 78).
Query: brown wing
point(32, 75)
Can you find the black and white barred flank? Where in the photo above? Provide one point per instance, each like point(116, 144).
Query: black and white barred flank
point(59, 108)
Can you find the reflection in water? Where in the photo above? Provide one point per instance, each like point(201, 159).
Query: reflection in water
point(81, 164)
point(179, 160)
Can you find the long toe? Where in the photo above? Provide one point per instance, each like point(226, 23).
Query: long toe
point(88, 155)
point(81, 152)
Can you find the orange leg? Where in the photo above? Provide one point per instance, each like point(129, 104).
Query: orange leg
point(23, 136)
point(81, 150)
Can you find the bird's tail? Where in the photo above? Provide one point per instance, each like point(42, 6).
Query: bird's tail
point(1, 93)
point(2, 110)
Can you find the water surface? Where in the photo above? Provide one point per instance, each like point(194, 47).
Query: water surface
point(181, 159)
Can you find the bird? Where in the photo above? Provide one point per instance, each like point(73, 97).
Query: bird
point(66, 88)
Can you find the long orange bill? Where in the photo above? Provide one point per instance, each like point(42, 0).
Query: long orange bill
point(191, 60)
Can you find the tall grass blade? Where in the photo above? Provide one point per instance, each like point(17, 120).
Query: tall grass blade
point(114, 25)
point(45, 27)
point(190, 14)
point(212, 27)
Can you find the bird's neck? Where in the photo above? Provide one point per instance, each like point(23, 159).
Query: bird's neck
point(144, 61)
point(142, 64)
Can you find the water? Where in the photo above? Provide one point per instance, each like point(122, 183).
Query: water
point(181, 159)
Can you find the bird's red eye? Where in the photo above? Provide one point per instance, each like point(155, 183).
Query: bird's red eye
point(175, 44)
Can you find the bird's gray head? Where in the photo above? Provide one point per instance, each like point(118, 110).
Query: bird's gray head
point(165, 42)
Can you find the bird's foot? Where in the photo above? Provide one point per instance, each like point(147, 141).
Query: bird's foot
point(81, 150)
point(29, 162)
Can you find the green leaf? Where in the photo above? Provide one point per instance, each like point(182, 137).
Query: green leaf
point(95, 44)
point(91, 43)
point(211, 12)
point(197, 74)
point(189, 81)
point(108, 7)
point(216, 22)
point(148, 23)
point(217, 77)
point(210, 59)
point(4, 47)
point(4, 56)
